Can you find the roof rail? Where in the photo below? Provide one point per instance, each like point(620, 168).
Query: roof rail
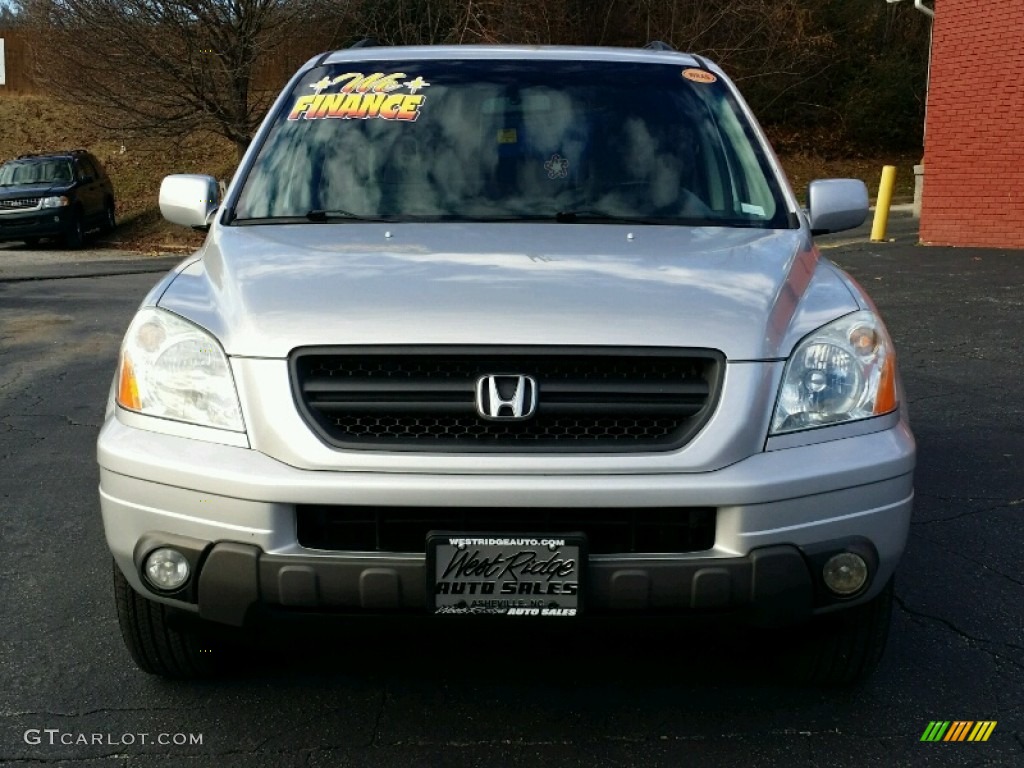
point(366, 42)
point(659, 45)
point(52, 153)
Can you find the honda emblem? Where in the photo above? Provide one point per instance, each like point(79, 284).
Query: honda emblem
point(506, 397)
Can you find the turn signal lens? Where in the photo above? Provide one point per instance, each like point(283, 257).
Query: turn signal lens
point(128, 386)
point(886, 399)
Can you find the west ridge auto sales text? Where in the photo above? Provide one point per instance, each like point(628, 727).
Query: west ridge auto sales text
point(508, 588)
point(519, 566)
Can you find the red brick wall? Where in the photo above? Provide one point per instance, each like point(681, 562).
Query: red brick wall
point(974, 141)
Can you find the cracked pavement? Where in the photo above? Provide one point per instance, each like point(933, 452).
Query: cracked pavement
point(406, 693)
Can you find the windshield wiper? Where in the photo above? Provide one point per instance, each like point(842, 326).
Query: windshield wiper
point(601, 217)
point(318, 214)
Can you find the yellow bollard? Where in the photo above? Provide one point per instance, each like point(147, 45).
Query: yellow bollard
point(883, 203)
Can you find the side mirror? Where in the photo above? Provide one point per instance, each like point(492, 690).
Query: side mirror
point(835, 205)
point(189, 199)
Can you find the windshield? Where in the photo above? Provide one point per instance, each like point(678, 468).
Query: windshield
point(512, 140)
point(21, 172)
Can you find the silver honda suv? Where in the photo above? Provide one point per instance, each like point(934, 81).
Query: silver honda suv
point(511, 334)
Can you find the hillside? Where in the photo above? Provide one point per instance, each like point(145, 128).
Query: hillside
point(39, 123)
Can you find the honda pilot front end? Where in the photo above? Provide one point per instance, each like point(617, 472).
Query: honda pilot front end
point(530, 333)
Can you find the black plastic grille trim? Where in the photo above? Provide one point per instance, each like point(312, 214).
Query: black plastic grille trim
point(591, 399)
point(657, 530)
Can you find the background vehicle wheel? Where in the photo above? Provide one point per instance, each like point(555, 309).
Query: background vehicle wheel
point(109, 218)
point(31, 242)
point(74, 237)
point(845, 649)
point(159, 644)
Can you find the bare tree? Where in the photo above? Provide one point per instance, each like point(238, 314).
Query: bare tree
point(8, 15)
point(170, 67)
point(163, 68)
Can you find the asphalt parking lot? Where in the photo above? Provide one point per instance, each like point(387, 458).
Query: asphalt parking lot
point(405, 694)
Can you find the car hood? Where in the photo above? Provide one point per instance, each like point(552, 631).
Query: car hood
point(18, 191)
point(264, 290)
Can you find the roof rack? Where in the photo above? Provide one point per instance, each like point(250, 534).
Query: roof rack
point(53, 153)
point(659, 45)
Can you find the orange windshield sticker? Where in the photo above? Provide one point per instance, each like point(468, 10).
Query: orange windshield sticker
point(359, 96)
point(699, 76)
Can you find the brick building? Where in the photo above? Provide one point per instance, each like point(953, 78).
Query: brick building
point(974, 138)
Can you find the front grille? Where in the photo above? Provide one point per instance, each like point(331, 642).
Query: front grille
point(404, 529)
point(589, 399)
point(19, 203)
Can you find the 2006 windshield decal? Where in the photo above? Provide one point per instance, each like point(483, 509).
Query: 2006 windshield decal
point(376, 96)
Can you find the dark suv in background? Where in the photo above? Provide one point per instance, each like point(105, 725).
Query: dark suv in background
point(57, 194)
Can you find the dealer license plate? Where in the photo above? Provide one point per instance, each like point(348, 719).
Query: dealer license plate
point(505, 574)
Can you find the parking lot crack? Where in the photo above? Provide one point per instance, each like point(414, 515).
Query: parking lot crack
point(15, 378)
point(11, 428)
point(384, 697)
point(979, 563)
point(73, 423)
point(970, 513)
point(923, 398)
point(975, 642)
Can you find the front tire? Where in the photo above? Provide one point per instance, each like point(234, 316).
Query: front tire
point(109, 218)
point(159, 644)
point(74, 237)
point(845, 648)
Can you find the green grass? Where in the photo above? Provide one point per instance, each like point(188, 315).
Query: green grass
point(136, 166)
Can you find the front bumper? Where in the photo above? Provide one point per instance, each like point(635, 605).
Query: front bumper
point(40, 222)
point(775, 510)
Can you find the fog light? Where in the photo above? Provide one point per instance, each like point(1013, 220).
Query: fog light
point(845, 573)
point(166, 568)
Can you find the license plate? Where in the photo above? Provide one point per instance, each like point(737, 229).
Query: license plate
point(505, 574)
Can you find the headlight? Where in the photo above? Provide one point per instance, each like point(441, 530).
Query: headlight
point(54, 202)
point(176, 370)
point(842, 372)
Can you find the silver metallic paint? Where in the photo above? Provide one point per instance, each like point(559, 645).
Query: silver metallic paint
point(751, 293)
point(264, 290)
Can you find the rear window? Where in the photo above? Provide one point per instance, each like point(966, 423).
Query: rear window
point(512, 141)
